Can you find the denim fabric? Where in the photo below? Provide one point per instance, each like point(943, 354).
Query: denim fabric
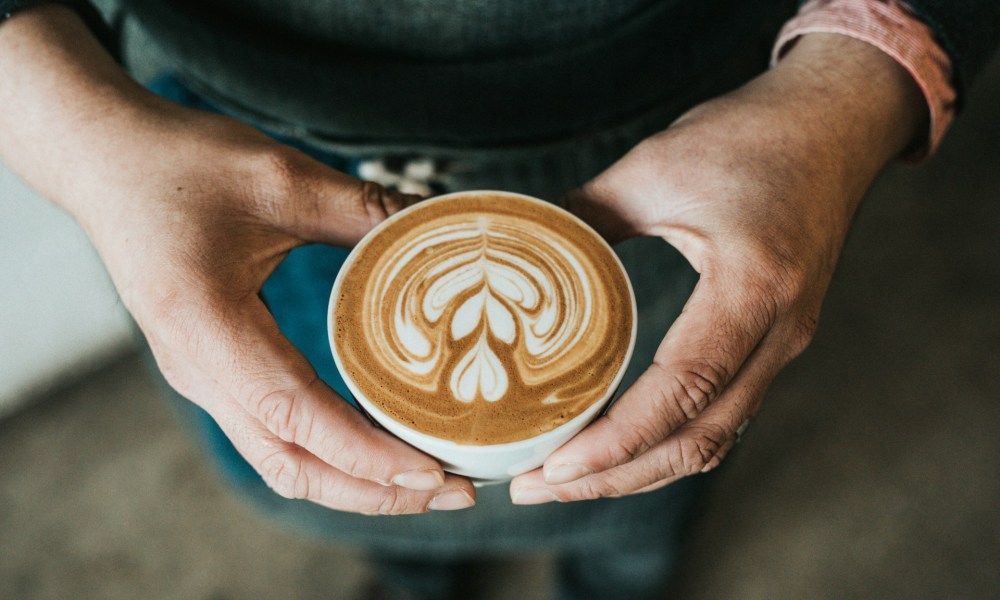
point(633, 539)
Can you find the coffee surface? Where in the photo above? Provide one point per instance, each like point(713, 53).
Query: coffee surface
point(483, 319)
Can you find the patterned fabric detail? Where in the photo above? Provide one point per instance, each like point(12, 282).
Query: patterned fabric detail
point(410, 175)
point(892, 27)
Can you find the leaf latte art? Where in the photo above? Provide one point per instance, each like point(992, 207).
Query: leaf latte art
point(483, 325)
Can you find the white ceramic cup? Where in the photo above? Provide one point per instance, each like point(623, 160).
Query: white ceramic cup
point(487, 463)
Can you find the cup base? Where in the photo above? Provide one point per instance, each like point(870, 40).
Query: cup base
point(479, 483)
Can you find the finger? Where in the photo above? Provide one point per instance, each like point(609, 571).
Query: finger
point(712, 464)
point(245, 353)
point(294, 473)
point(320, 204)
point(598, 207)
point(701, 353)
point(651, 488)
point(697, 446)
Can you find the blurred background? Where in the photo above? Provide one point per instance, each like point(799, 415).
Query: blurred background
point(872, 472)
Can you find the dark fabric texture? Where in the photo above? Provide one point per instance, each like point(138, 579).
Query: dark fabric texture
point(968, 30)
point(480, 73)
point(87, 11)
point(466, 88)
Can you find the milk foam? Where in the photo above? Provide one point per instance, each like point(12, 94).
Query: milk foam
point(491, 280)
point(485, 319)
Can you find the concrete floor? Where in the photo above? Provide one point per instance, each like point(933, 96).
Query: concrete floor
point(873, 472)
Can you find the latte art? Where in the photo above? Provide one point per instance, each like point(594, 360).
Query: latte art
point(485, 325)
point(486, 278)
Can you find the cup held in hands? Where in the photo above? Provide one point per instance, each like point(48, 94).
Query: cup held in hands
point(484, 328)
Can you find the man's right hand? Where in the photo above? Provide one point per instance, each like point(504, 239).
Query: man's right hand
point(191, 212)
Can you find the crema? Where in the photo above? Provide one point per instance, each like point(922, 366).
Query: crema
point(483, 319)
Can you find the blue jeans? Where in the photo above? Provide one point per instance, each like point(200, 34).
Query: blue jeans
point(624, 547)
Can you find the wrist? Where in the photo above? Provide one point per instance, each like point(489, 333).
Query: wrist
point(867, 108)
point(829, 116)
point(65, 101)
point(804, 140)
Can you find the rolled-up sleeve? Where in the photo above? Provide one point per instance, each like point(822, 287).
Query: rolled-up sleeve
point(893, 27)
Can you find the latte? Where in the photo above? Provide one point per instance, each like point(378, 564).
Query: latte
point(482, 318)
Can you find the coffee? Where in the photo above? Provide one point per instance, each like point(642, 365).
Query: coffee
point(483, 319)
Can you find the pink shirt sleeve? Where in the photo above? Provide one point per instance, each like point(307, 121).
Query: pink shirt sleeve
point(892, 27)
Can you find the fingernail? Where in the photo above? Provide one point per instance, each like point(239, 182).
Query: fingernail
point(451, 500)
point(533, 496)
point(421, 479)
point(565, 473)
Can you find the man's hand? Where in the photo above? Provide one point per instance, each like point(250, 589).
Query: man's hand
point(191, 212)
point(757, 189)
point(203, 217)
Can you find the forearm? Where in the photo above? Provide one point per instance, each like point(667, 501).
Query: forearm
point(863, 105)
point(66, 104)
point(834, 111)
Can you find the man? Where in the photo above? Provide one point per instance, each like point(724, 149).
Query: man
point(662, 117)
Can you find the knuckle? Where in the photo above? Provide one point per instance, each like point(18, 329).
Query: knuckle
point(761, 301)
point(803, 332)
point(776, 276)
point(279, 173)
point(282, 472)
point(698, 449)
point(634, 439)
point(280, 169)
point(592, 488)
point(284, 413)
point(289, 413)
point(392, 501)
point(690, 390)
point(277, 411)
point(786, 269)
point(787, 284)
point(378, 202)
point(716, 460)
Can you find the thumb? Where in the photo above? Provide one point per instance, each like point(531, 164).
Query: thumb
point(320, 204)
point(705, 349)
point(599, 207)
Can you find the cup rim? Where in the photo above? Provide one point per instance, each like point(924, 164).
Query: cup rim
point(380, 416)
